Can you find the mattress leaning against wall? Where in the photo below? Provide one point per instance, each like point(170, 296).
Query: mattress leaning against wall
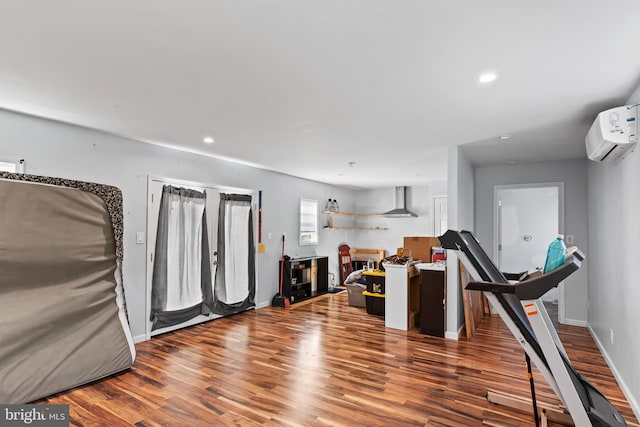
point(61, 298)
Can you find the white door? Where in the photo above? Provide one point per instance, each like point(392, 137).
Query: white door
point(528, 220)
point(439, 215)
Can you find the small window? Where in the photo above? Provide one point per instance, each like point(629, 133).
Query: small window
point(308, 222)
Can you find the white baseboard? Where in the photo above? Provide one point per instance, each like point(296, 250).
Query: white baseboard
point(140, 338)
point(263, 304)
point(623, 386)
point(453, 335)
point(573, 322)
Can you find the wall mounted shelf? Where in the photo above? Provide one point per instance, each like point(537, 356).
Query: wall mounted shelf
point(331, 227)
point(350, 213)
point(354, 228)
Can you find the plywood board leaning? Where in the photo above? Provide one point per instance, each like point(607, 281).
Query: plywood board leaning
point(474, 305)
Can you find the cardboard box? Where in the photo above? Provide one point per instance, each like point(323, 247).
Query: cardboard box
point(421, 246)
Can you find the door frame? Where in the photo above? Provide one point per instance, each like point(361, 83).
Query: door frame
point(434, 202)
point(149, 250)
point(561, 222)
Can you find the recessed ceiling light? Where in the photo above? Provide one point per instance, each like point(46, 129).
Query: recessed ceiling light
point(208, 140)
point(506, 136)
point(487, 77)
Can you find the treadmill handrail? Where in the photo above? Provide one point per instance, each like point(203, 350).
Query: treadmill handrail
point(499, 288)
point(514, 276)
point(530, 324)
point(535, 287)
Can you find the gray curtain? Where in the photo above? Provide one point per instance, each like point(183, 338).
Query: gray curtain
point(181, 286)
point(235, 284)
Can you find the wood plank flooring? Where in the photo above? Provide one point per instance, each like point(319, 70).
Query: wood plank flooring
point(325, 363)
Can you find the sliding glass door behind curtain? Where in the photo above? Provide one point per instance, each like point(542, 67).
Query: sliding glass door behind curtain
point(235, 284)
point(183, 283)
point(181, 287)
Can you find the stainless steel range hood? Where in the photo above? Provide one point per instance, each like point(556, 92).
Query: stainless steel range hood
point(401, 210)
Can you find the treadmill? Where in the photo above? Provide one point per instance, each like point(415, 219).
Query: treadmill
point(520, 307)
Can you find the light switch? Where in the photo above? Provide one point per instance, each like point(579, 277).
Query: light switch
point(570, 239)
point(140, 238)
point(269, 236)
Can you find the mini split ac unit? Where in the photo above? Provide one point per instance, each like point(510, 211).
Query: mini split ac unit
point(613, 133)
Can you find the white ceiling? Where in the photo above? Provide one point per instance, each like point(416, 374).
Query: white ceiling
point(305, 87)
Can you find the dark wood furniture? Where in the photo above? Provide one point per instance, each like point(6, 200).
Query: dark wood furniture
point(433, 302)
point(305, 278)
point(344, 258)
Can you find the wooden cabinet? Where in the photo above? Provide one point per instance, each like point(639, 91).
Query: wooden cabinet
point(305, 278)
point(433, 299)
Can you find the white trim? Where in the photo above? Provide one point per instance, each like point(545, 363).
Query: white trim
point(174, 181)
point(454, 335)
point(497, 188)
point(573, 322)
point(301, 204)
point(263, 304)
point(561, 222)
point(141, 338)
point(451, 336)
point(434, 198)
point(623, 386)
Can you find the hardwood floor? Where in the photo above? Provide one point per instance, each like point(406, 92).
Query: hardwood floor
point(325, 363)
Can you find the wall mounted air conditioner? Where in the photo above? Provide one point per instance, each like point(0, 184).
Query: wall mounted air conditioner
point(613, 133)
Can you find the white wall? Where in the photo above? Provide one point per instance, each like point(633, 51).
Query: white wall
point(419, 201)
point(614, 291)
point(461, 214)
point(55, 149)
point(574, 175)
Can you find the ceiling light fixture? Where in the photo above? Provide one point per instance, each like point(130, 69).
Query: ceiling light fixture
point(487, 77)
point(208, 140)
point(506, 136)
